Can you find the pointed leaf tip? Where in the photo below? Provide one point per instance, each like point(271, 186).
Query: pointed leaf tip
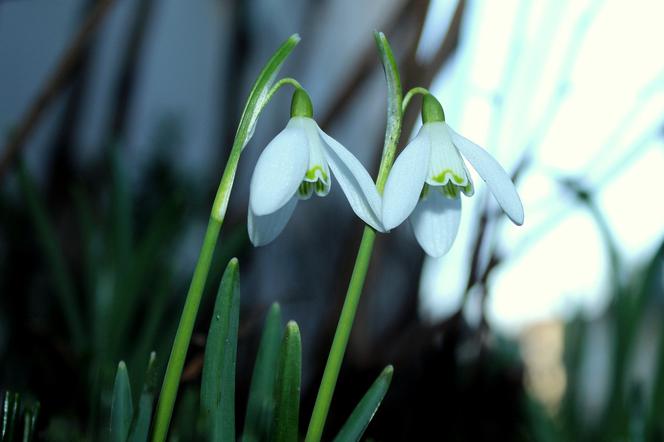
point(260, 407)
point(121, 405)
point(218, 377)
point(366, 408)
point(292, 327)
point(287, 388)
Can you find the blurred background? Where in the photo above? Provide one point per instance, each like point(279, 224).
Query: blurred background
point(116, 119)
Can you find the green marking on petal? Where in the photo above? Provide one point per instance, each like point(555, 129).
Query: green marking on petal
point(450, 190)
point(425, 191)
point(305, 190)
point(468, 189)
point(311, 173)
point(441, 177)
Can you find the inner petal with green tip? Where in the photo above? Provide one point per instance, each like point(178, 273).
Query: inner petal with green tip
point(317, 179)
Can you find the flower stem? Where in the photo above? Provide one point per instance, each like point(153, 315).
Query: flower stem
point(342, 334)
point(171, 383)
point(410, 94)
point(258, 99)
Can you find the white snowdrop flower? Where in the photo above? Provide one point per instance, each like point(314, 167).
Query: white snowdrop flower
point(299, 162)
point(428, 177)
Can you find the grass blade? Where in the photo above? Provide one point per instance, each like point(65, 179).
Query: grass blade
point(53, 252)
point(366, 408)
point(10, 406)
point(141, 423)
point(260, 407)
point(218, 384)
point(30, 421)
point(287, 389)
point(121, 406)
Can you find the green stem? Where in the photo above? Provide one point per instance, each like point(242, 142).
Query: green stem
point(410, 94)
point(293, 82)
point(183, 336)
point(258, 99)
point(342, 334)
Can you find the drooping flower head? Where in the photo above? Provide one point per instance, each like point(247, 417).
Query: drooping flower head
point(429, 176)
point(298, 163)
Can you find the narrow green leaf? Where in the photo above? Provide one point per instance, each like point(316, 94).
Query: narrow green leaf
point(260, 407)
point(259, 92)
point(30, 421)
point(141, 423)
point(366, 408)
point(121, 405)
point(122, 226)
point(10, 406)
point(287, 388)
point(255, 104)
point(218, 383)
point(394, 111)
point(53, 252)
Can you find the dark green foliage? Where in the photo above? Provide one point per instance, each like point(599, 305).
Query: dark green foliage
point(359, 420)
point(260, 407)
point(218, 383)
point(122, 408)
point(287, 387)
point(18, 417)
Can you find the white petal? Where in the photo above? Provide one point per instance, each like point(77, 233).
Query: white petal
point(445, 164)
point(354, 180)
point(264, 229)
point(435, 222)
point(499, 182)
point(318, 170)
point(279, 170)
point(405, 182)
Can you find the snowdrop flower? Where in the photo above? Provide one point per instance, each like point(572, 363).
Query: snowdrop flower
point(299, 162)
point(428, 177)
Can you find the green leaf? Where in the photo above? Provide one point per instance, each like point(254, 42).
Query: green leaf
point(260, 407)
point(55, 257)
point(394, 111)
point(258, 96)
point(141, 423)
point(255, 104)
point(121, 229)
point(287, 388)
point(10, 408)
point(121, 405)
point(366, 408)
point(30, 421)
point(218, 384)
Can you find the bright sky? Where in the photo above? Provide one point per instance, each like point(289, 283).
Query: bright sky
point(605, 129)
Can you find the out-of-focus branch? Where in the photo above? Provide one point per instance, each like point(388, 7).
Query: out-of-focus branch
point(126, 81)
point(416, 74)
point(55, 84)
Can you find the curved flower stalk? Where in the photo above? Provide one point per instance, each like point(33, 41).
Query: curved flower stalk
point(428, 177)
point(299, 162)
point(259, 96)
